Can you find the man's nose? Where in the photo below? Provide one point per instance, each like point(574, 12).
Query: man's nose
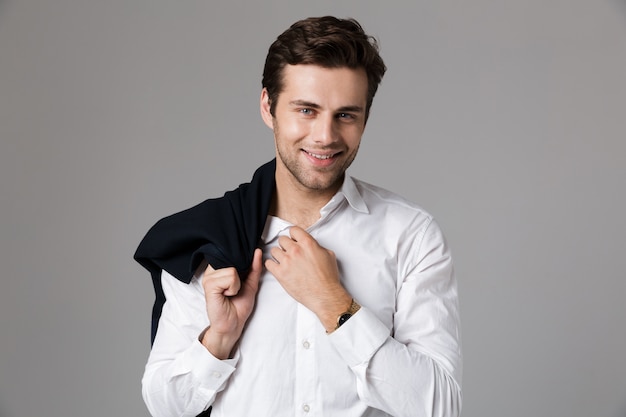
point(325, 130)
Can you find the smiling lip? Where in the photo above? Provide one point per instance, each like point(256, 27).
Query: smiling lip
point(320, 156)
point(321, 160)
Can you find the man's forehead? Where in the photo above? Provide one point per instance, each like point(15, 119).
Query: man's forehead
point(313, 83)
point(320, 71)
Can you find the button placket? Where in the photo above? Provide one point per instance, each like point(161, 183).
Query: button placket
point(307, 378)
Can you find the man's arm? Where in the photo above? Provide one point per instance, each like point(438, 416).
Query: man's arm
point(413, 369)
point(228, 305)
point(188, 363)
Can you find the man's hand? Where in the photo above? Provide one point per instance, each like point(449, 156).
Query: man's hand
point(228, 305)
point(309, 273)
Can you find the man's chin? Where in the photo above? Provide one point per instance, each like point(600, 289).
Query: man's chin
point(323, 183)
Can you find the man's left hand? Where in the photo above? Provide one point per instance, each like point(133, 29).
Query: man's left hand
point(309, 273)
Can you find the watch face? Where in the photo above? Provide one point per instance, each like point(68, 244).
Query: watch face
point(343, 318)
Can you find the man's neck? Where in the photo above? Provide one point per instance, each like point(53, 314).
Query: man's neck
point(297, 205)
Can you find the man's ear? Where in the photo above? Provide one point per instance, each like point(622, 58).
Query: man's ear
point(265, 109)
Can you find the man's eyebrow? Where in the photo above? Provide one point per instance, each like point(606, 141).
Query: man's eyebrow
point(304, 103)
point(310, 104)
point(351, 109)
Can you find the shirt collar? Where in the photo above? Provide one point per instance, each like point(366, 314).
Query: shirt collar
point(348, 191)
point(351, 193)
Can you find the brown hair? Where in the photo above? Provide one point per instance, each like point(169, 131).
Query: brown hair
point(328, 42)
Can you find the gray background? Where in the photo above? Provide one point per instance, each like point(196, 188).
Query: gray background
point(505, 119)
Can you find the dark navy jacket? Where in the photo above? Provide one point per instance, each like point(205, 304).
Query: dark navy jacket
point(223, 231)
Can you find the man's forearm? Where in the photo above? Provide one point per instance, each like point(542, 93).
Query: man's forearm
point(392, 376)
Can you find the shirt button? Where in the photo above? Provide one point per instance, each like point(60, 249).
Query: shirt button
point(216, 374)
point(306, 344)
point(306, 408)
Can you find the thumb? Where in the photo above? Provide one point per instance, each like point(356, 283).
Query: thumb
point(255, 271)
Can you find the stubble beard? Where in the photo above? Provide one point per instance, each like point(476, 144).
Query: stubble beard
point(330, 179)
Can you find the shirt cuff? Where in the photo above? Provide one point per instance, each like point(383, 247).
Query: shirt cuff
point(360, 337)
point(206, 368)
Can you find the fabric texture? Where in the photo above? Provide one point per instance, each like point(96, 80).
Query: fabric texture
point(223, 231)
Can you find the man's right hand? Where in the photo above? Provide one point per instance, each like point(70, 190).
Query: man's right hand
point(228, 305)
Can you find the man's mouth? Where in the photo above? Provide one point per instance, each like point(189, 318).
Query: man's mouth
point(320, 156)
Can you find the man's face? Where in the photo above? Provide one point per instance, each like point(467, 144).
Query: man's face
point(318, 123)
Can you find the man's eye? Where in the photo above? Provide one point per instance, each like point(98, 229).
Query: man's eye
point(306, 111)
point(345, 116)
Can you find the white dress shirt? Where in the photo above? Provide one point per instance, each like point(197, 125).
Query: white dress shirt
point(399, 355)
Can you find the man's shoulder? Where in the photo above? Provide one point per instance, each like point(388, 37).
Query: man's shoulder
point(377, 197)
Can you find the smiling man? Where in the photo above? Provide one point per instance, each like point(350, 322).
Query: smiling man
point(318, 122)
point(347, 302)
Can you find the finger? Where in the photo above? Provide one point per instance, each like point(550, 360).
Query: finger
point(300, 235)
point(210, 273)
point(251, 284)
point(285, 242)
point(297, 233)
point(254, 275)
point(221, 281)
point(271, 265)
point(277, 254)
point(227, 286)
point(245, 298)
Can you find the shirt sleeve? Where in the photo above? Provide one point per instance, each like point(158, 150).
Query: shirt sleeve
point(181, 377)
point(414, 369)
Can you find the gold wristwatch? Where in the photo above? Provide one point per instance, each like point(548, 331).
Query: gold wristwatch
point(343, 317)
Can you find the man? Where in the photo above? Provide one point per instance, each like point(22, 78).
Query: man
point(349, 307)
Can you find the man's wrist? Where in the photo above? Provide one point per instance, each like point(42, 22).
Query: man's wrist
point(220, 346)
point(345, 316)
point(334, 310)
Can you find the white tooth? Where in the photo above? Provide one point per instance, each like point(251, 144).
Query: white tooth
point(319, 156)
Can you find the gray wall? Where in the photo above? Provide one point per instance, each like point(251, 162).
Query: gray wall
point(505, 119)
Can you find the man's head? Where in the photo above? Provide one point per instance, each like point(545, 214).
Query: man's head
point(326, 42)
